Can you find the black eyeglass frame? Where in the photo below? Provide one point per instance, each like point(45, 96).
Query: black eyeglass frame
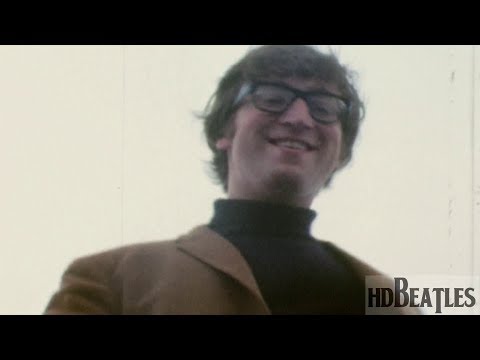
point(250, 88)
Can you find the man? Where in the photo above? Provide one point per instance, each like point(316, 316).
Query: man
point(283, 120)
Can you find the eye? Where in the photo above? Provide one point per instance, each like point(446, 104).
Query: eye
point(273, 98)
point(322, 108)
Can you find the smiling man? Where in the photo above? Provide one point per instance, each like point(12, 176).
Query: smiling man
point(292, 129)
point(281, 123)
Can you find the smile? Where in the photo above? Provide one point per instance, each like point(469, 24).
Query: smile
point(293, 144)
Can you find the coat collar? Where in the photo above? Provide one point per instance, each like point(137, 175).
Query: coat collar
point(211, 248)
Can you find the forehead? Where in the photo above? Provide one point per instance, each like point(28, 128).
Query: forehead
point(308, 84)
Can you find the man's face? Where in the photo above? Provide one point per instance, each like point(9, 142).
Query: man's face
point(281, 157)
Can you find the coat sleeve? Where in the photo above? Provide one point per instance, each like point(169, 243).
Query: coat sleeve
point(86, 288)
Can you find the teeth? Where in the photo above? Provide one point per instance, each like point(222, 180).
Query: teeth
point(292, 145)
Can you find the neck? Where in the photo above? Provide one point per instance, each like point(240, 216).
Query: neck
point(284, 190)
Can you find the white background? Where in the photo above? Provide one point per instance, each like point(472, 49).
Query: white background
point(99, 147)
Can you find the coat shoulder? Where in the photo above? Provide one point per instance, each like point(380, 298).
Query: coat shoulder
point(93, 283)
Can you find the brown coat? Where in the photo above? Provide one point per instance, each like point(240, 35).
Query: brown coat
point(198, 273)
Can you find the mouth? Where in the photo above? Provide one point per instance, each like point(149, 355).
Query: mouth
point(292, 144)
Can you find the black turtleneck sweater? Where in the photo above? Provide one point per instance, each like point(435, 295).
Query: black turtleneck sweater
point(296, 273)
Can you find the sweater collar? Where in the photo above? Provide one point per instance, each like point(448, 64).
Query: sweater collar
point(259, 217)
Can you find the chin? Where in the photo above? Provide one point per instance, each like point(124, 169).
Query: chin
point(293, 183)
point(288, 182)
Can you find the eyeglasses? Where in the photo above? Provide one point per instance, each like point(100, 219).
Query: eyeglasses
point(324, 107)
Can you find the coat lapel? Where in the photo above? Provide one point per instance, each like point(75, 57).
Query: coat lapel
point(217, 252)
point(212, 249)
point(363, 270)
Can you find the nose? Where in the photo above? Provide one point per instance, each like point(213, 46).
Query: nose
point(297, 114)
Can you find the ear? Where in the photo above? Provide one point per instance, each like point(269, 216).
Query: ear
point(223, 143)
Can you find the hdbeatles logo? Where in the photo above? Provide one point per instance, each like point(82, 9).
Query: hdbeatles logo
point(429, 294)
